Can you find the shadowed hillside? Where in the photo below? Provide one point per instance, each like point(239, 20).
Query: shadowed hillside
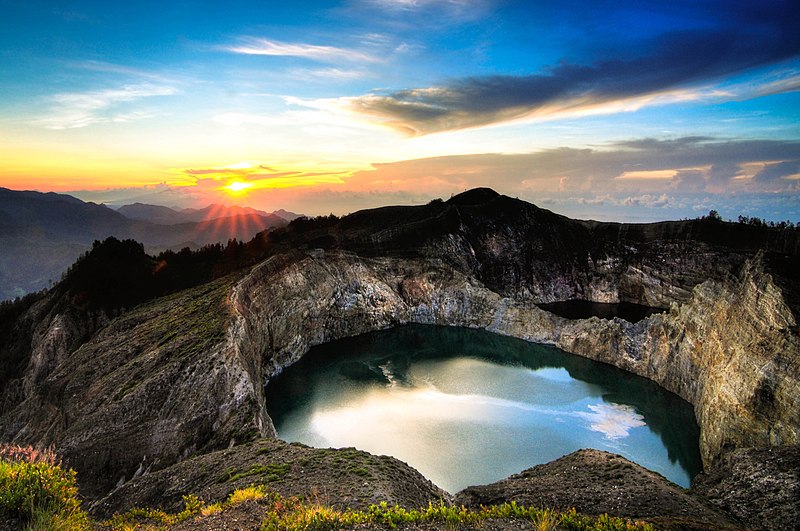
point(42, 234)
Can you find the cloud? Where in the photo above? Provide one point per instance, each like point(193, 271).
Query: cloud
point(615, 421)
point(327, 75)
point(428, 12)
point(253, 176)
point(670, 66)
point(260, 46)
point(781, 170)
point(786, 83)
point(648, 200)
point(116, 69)
point(689, 164)
point(417, 4)
point(81, 109)
point(751, 177)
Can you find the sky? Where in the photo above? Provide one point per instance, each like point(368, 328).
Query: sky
point(612, 110)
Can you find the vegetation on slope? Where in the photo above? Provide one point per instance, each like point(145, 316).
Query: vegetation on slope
point(37, 493)
point(272, 512)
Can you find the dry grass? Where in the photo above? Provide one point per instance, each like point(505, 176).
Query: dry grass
point(29, 454)
point(245, 494)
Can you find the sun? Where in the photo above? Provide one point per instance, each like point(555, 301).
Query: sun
point(237, 187)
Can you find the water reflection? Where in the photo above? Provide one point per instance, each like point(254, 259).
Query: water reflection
point(467, 407)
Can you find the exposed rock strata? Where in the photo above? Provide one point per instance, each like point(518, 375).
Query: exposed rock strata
point(760, 487)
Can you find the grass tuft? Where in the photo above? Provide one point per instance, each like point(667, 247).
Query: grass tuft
point(253, 492)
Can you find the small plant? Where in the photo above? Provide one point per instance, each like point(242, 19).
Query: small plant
point(192, 506)
point(248, 493)
point(29, 454)
point(546, 520)
point(213, 508)
point(36, 490)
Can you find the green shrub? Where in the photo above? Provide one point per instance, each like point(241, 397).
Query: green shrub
point(35, 490)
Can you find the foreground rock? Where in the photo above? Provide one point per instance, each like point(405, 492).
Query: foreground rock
point(596, 482)
point(339, 478)
point(591, 481)
point(760, 487)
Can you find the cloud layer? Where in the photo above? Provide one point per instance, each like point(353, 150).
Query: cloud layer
point(641, 166)
point(259, 46)
point(74, 110)
point(665, 63)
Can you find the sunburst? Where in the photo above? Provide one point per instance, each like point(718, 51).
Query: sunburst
point(238, 187)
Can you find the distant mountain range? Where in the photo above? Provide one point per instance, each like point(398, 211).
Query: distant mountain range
point(170, 216)
point(42, 234)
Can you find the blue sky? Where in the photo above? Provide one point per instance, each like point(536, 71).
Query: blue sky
point(612, 110)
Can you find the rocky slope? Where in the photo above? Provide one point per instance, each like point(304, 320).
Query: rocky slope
point(338, 478)
point(595, 482)
point(591, 481)
point(185, 374)
point(758, 486)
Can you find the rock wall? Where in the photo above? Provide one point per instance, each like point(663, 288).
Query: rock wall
point(730, 349)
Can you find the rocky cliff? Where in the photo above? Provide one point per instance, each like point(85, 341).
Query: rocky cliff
point(185, 374)
point(731, 349)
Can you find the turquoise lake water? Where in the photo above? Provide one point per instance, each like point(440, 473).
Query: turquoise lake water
point(466, 407)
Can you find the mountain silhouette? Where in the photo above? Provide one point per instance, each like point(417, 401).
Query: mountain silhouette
point(43, 233)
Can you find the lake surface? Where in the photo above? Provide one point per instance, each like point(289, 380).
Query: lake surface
point(580, 309)
point(466, 407)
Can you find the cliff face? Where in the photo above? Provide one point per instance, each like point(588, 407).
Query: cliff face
point(730, 350)
point(185, 374)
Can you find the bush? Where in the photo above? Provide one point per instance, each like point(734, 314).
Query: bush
point(37, 491)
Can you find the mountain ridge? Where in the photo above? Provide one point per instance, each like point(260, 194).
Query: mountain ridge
point(42, 234)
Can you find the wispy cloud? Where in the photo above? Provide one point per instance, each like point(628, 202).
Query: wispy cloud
point(81, 109)
point(448, 11)
point(122, 70)
point(324, 53)
point(327, 74)
point(789, 83)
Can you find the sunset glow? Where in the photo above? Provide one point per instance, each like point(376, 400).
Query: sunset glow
point(238, 187)
point(592, 109)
